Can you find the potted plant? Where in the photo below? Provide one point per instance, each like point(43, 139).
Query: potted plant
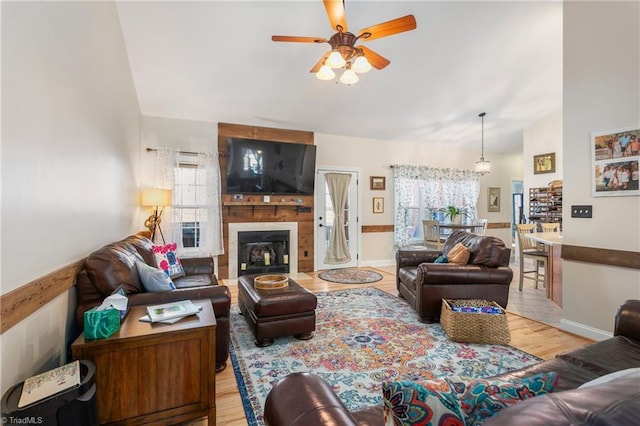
point(453, 214)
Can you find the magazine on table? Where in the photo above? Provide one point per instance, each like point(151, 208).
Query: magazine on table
point(171, 312)
point(49, 383)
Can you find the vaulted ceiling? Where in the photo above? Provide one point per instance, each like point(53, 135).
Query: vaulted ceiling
point(215, 61)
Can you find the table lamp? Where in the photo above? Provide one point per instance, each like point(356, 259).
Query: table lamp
point(156, 198)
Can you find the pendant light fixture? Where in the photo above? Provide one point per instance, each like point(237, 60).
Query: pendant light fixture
point(483, 166)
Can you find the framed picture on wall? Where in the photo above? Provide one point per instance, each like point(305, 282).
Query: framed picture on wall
point(544, 163)
point(493, 200)
point(377, 182)
point(614, 166)
point(378, 204)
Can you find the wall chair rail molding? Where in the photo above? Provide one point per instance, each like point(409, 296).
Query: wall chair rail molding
point(23, 301)
point(624, 259)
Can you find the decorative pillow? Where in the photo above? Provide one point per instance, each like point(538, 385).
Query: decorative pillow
point(167, 260)
point(483, 398)
point(458, 254)
point(612, 376)
point(441, 259)
point(427, 403)
point(154, 280)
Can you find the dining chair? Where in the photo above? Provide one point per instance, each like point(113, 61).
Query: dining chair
point(431, 229)
point(550, 227)
point(482, 222)
point(528, 249)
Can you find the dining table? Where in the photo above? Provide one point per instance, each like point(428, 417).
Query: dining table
point(552, 243)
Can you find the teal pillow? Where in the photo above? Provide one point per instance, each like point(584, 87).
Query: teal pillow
point(432, 402)
point(453, 401)
point(485, 397)
point(154, 280)
point(441, 259)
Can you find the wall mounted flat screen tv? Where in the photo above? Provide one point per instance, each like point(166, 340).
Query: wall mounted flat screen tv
point(265, 167)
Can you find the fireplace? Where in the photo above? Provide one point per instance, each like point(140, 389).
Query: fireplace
point(262, 228)
point(263, 252)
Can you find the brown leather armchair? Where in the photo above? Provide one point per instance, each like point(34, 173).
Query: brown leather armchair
point(424, 284)
point(115, 264)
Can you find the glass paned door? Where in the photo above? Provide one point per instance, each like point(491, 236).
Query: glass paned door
point(325, 220)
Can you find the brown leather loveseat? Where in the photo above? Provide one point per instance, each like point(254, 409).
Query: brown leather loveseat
point(424, 284)
point(305, 399)
point(115, 264)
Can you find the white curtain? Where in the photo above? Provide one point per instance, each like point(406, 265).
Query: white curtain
point(165, 178)
point(427, 189)
point(338, 250)
point(194, 201)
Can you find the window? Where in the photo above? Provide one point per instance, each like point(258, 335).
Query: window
point(194, 221)
point(419, 193)
point(190, 205)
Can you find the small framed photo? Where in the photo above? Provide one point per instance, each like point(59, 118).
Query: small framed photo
point(544, 163)
point(493, 201)
point(377, 182)
point(378, 204)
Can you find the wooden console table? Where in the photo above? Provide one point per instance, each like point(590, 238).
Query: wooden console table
point(155, 373)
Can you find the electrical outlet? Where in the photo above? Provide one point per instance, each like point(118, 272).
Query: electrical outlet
point(582, 211)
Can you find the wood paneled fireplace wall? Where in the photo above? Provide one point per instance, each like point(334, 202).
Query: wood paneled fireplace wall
point(252, 208)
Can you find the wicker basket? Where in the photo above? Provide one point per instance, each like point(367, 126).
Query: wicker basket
point(474, 327)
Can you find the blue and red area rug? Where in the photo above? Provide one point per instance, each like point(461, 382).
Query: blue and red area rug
point(363, 336)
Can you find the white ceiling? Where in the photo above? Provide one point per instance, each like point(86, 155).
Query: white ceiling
point(215, 61)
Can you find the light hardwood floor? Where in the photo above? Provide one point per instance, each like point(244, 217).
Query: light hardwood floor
point(530, 336)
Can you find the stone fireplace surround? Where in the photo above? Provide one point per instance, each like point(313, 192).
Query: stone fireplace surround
point(232, 249)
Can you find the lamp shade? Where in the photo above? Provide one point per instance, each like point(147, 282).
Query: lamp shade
point(155, 197)
point(325, 73)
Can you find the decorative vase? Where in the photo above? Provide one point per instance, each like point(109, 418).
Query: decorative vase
point(457, 220)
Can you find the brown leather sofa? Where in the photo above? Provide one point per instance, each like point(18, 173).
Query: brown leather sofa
point(115, 264)
point(424, 284)
point(305, 399)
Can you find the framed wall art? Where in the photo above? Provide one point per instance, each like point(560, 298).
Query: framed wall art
point(377, 182)
point(615, 160)
point(378, 204)
point(493, 200)
point(544, 163)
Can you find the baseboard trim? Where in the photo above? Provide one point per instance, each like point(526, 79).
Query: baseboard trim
point(383, 262)
point(584, 330)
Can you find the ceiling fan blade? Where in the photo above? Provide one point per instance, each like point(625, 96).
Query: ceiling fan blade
point(297, 39)
point(335, 11)
point(376, 61)
point(395, 26)
point(318, 64)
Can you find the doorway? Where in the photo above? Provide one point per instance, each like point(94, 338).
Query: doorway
point(326, 215)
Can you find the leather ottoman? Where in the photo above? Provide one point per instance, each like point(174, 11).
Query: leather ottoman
point(289, 311)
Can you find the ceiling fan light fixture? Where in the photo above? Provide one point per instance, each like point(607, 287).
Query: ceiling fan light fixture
point(349, 77)
point(335, 60)
point(361, 65)
point(325, 73)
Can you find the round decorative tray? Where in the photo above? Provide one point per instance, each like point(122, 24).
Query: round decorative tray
point(270, 282)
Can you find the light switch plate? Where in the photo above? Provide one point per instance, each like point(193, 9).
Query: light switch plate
point(582, 211)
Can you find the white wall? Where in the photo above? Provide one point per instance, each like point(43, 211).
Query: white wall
point(542, 137)
point(374, 158)
point(601, 92)
point(70, 159)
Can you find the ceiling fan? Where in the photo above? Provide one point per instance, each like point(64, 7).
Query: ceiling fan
point(344, 53)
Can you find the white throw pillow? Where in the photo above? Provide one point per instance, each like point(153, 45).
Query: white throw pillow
point(635, 372)
point(154, 280)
